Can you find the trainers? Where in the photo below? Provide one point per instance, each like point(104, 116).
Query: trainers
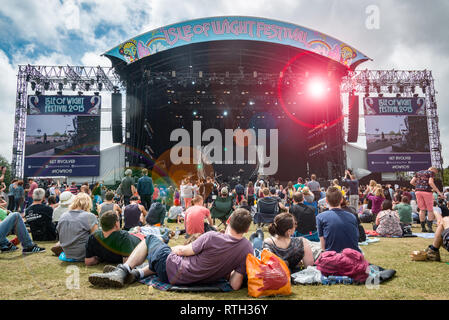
point(114, 278)
point(433, 255)
point(33, 249)
point(10, 248)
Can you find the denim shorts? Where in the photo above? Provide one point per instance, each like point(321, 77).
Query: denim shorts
point(158, 252)
point(445, 236)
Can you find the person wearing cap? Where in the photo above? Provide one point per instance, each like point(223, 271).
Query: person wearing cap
point(65, 199)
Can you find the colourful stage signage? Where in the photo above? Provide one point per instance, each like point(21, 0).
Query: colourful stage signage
point(397, 136)
point(236, 28)
point(62, 136)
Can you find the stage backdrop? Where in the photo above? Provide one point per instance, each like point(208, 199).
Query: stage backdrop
point(397, 137)
point(62, 136)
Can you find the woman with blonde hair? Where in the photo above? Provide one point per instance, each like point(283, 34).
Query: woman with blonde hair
point(74, 228)
point(376, 199)
point(308, 195)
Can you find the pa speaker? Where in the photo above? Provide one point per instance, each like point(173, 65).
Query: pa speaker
point(116, 115)
point(353, 118)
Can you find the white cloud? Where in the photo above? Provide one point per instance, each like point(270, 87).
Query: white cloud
point(7, 105)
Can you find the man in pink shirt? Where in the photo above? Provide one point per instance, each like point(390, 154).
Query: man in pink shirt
point(195, 215)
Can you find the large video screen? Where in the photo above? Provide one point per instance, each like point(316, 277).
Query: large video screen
point(62, 136)
point(397, 136)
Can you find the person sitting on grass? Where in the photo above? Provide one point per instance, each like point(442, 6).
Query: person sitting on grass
point(110, 244)
point(195, 215)
point(74, 228)
point(14, 222)
point(134, 214)
point(175, 212)
point(441, 236)
point(292, 250)
point(305, 218)
point(156, 214)
point(404, 210)
point(109, 205)
point(388, 222)
point(39, 217)
point(337, 229)
point(196, 263)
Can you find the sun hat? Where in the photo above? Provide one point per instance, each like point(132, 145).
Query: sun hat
point(66, 198)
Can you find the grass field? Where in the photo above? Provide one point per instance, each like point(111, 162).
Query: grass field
point(43, 276)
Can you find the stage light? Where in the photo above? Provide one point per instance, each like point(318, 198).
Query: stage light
point(225, 113)
point(194, 113)
point(251, 102)
point(316, 88)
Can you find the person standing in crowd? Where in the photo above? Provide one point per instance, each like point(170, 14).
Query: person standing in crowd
point(289, 191)
point(74, 228)
point(156, 214)
point(39, 217)
point(314, 187)
point(65, 200)
point(376, 199)
point(73, 188)
point(337, 229)
point(11, 202)
point(424, 185)
point(19, 197)
point(156, 193)
point(145, 189)
point(134, 214)
point(32, 185)
point(240, 191)
point(208, 192)
point(298, 186)
point(186, 193)
point(353, 184)
point(126, 186)
point(109, 205)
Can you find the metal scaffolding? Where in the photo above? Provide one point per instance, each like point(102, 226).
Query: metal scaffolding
point(84, 78)
point(402, 83)
point(53, 78)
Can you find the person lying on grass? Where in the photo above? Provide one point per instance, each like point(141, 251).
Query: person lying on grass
point(188, 264)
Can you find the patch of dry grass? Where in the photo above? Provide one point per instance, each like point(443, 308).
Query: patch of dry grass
point(43, 276)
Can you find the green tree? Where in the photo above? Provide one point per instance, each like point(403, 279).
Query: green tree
point(446, 176)
point(5, 163)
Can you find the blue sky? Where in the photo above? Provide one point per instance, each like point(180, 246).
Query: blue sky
point(411, 35)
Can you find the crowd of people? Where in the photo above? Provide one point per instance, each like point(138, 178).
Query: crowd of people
point(129, 226)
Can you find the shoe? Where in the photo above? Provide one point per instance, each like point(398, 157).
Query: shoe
point(433, 255)
point(429, 227)
point(130, 278)
point(57, 250)
point(10, 248)
point(259, 234)
point(116, 278)
point(33, 249)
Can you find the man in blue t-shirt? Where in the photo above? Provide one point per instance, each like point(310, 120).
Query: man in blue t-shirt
point(337, 228)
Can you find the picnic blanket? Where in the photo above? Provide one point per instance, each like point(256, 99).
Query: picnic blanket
point(219, 286)
point(368, 241)
point(425, 235)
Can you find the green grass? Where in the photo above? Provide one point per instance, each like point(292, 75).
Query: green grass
point(43, 276)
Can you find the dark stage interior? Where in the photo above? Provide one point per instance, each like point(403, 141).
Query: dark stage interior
point(234, 85)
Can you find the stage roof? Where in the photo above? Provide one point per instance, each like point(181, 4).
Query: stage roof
point(236, 28)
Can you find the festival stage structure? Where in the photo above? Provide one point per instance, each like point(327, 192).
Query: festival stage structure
point(235, 73)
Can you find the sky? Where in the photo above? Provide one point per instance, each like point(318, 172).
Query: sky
point(408, 35)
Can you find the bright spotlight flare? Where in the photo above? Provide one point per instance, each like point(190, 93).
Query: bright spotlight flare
point(317, 88)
